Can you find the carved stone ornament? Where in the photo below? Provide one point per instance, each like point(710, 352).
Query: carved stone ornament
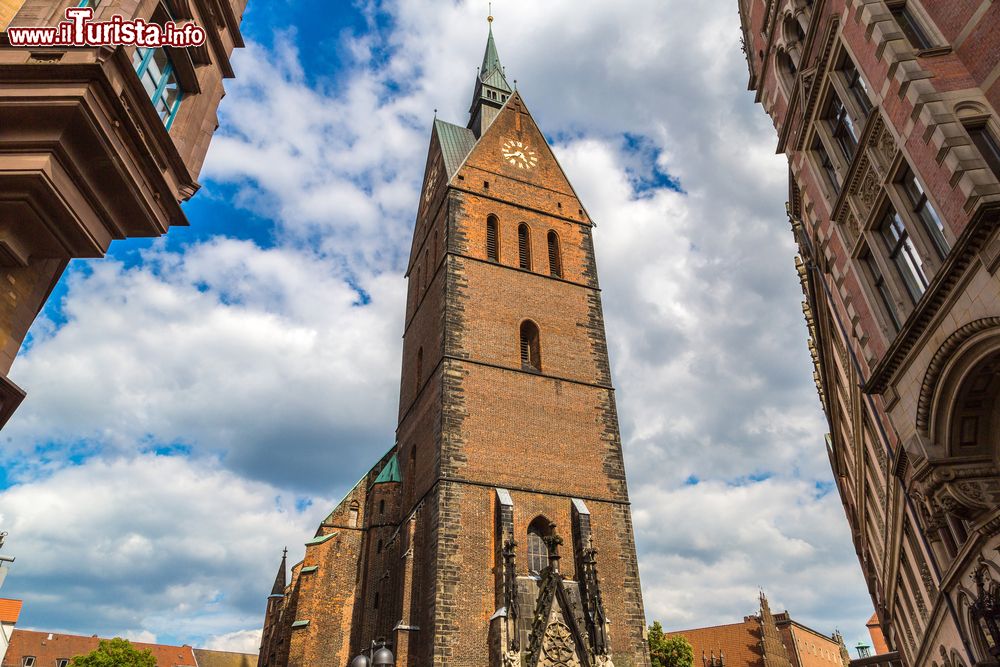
point(886, 145)
point(603, 661)
point(964, 491)
point(559, 647)
point(512, 659)
point(852, 226)
point(869, 189)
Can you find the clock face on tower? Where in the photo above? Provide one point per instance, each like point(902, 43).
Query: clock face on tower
point(519, 154)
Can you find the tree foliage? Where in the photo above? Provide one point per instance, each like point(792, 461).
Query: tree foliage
point(115, 653)
point(669, 651)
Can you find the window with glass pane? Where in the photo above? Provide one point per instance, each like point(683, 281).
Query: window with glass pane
point(89, 3)
point(842, 127)
point(910, 26)
point(925, 212)
point(826, 164)
point(904, 254)
point(156, 72)
point(881, 288)
point(856, 85)
point(987, 145)
point(538, 553)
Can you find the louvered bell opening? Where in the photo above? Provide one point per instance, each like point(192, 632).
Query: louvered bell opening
point(492, 240)
point(530, 348)
point(555, 262)
point(523, 247)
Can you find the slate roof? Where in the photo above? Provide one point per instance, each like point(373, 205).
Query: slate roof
point(280, 582)
point(9, 610)
point(456, 144)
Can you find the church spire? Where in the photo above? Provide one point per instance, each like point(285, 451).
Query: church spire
point(491, 89)
point(278, 590)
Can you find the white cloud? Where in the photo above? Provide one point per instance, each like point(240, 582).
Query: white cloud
point(238, 641)
point(160, 546)
point(262, 357)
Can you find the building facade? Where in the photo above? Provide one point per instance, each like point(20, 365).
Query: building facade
point(887, 113)
point(764, 640)
point(97, 144)
point(497, 529)
point(49, 649)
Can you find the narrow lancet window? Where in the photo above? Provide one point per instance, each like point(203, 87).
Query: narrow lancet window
point(555, 257)
point(524, 246)
point(538, 551)
point(493, 238)
point(531, 353)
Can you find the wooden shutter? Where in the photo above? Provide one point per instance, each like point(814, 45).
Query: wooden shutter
point(492, 240)
point(555, 261)
point(524, 247)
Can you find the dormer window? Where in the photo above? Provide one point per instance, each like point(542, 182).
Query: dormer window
point(156, 72)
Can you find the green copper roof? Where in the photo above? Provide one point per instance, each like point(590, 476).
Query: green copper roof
point(390, 473)
point(456, 144)
point(321, 539)
point(491, 73)
point(491, 59)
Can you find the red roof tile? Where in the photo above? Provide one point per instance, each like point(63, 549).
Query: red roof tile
point(47, 648)
point(9, 610)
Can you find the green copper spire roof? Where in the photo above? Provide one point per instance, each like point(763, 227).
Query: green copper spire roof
point(390, 473)
point(491, 73)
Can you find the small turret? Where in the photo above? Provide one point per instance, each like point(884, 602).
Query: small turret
point(491, 90)
point(280, 580)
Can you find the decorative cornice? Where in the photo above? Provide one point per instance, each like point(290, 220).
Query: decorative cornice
point(821, 68)
point(962, 256)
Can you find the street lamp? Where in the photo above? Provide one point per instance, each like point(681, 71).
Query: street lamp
point(378, 655)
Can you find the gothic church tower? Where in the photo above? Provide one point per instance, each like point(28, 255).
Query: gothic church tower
point(497, 530)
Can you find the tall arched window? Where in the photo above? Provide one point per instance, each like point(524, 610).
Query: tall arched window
point(493, 238)
point(524, 246)
point(352, 515)
point(427, 265)
point(555, 255)
point(531, 352)
point(419, 375)
point(538, 551)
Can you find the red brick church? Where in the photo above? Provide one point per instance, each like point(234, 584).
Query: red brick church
point(497, 530)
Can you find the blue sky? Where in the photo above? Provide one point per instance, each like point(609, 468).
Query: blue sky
point(199, 401)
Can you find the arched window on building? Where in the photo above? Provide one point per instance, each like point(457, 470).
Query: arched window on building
point(493, 238)
point(419, 375)
point(531, 351)
point(538, 551)
point(381, 506)
point(787, 71)
point(524, 246)
point(976, 415)
point(555, 255)
point(352, 514)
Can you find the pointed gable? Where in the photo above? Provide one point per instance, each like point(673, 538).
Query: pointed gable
point(515, 123)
